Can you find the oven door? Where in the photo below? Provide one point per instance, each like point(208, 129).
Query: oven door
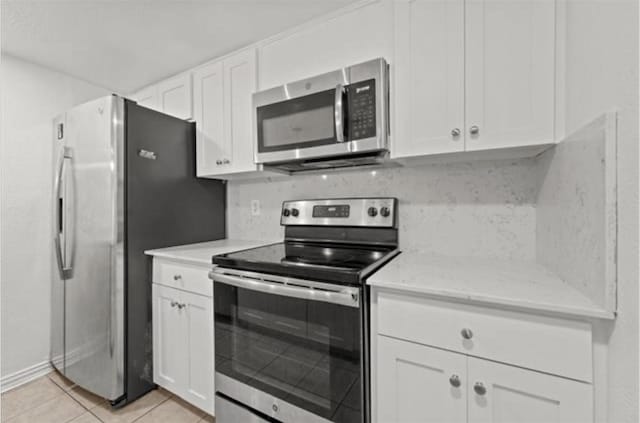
point(291, 350)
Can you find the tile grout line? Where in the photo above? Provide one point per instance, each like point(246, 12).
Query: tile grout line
point(153, 408)
point(36, 406)
point(48, 376)
point(81, 405)
point(95, 415)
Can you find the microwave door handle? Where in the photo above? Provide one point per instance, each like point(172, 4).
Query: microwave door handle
point(338, 114)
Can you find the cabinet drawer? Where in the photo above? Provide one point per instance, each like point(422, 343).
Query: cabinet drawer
point(186, 277)
point(557, 346)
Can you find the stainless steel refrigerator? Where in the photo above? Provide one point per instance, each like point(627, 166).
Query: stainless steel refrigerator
point(124, 182)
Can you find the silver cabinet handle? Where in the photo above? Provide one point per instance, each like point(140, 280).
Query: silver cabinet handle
point(218, 162)
point(466, 333)
point(177, 277)
point(174, 303)
point(454, 380)
point(338, 116)
point(225, 161)
point(479, 388)
point(455, 132)
point(181, 306)
point(474, 130)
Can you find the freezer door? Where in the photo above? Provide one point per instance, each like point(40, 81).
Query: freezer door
point(93, 249)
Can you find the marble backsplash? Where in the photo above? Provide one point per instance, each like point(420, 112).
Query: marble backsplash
point(576, 216)
point(483, 208)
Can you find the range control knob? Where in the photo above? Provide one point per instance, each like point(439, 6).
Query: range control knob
point(385, 212)
point(373, 212)
point(295, 212)
point(286, 212)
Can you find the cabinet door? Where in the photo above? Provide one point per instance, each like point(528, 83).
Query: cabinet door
point(362, 33)
point(239, 86)
point(509, 72)
point(515, 395)
point(148, 97)
point(198, 312)
point(429, 77)
point(208, 101)
point(416, 383)
point(169, 339)
point(174, 96)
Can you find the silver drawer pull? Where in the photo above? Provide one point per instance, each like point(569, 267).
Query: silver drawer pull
point(466, 333)
point(177, 277)
point(479, 388)
point(454, 380)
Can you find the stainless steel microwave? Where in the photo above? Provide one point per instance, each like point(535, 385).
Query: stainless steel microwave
point(337, 119)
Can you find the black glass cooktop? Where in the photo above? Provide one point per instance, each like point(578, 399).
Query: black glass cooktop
point(331, 263)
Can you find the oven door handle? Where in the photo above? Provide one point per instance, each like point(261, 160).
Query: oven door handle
point(347, 296)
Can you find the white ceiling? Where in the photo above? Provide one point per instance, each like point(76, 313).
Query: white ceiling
point(124, 45)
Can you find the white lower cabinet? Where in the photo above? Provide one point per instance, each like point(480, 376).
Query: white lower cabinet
point(499, 393)
point(183, 350)
point(440, 361)
point(416, 383)
point(169, 355)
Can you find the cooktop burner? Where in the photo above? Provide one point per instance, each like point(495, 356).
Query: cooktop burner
point(334, 263)
point(339, 240)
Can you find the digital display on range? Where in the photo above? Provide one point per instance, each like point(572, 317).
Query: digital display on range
point(331, 211)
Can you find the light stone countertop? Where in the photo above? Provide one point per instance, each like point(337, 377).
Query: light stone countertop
point(496, 282)
point(202, 252)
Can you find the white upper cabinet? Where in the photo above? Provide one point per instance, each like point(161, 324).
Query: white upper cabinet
point(240, 82)
point(171, 96)
point(174, 96)
point(472, 75)
point(429, 77)
point(208, 106)
point(223, 112)
point(510, 68)
point(147, 97)
point(361, 33)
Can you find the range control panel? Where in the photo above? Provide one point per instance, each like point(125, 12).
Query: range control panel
point(366, 212)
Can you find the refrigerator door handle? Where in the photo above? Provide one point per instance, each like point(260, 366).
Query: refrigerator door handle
point(65, 271)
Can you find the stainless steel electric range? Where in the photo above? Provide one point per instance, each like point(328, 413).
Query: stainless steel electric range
point(292, 319)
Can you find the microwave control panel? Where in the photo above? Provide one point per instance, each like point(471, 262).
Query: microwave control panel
point(362, 109)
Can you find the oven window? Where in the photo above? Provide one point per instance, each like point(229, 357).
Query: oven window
point(297, 123)
point(307, 353)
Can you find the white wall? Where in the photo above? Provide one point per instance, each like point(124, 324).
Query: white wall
point(602, 74)
point(31, 97)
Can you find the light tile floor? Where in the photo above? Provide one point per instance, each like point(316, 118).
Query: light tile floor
point(54, 399)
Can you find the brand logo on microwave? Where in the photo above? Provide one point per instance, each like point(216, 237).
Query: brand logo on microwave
point(361, 89)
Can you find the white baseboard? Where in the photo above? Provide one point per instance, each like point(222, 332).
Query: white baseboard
point(25, 375)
